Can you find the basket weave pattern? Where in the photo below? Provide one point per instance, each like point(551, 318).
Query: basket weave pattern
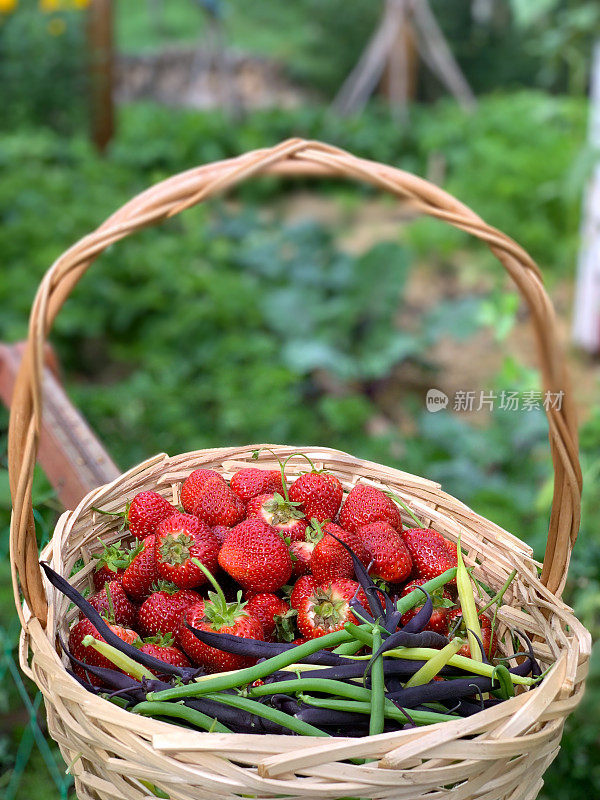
point(499, 753)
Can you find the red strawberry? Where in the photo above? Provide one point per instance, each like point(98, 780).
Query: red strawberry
point(327, 609)
point(280, 513)
point(161, 612)
point(181, 538)
point(90, 656)
point(250, 482)
point(256, 556)
point(486, 634)
point(145, 513)
point(216, 504)
point(428, 551)
point(193, 484)
point(112, 602)
point(442, 602)
point(221, 532)
point(266, 607)
point(162, 647)
point(301, 553)
point(110, 564)
point(391, 560)
point(330, 560)
point(304, 587)
point(213, 615)
point(320, 494)
point(141, 572)
point(366, 504)
point(450, 547)
point(300, 640)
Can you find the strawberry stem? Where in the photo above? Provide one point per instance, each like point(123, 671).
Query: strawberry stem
point(401, 503)
point(255, 455)
point(212, 580)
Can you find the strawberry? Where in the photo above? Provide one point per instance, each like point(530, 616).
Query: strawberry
point(280, 513)
point(366, 504)
point(143, 514)
point(161, 612)
point(162, 647)
point(320, 494)
point(390, 559)
point(301, 553)
point(428, 551)
point(327, 609)
point(180, 538)
point(442, 602)
point(216, 504)
point(250, 482)
point(300, 640)
point(194, 484)
point(215, 614)
point(110, 564)
point(221, 532)
point(486, 633)
point(256, 556)
point(266, 607)
point(112, 602)
point(304, 587)
point(141, 572)
point(90, 656)
point(330, 560)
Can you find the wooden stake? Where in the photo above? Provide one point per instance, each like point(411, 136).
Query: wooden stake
point(100, 42)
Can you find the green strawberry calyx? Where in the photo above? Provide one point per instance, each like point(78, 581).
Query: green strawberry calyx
point(281, 510)
point(162, 585)
point(327, 612)
point(123, 515)
point(176, 549)
point(217, 611)
point(112, 556)
point(160, 639)
point(285, 625)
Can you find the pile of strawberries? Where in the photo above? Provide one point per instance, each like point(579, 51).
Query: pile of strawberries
point(277, 554)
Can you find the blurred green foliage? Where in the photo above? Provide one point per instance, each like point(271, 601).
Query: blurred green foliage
point(228, 325)
point(43, 70)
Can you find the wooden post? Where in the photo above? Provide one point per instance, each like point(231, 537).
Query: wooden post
point(100, 44)
point(399, 80)
point(586, 312)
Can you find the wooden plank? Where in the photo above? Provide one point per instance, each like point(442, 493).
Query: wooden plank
point(70, 454)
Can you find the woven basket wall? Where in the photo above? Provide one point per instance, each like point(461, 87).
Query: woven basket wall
point(499, 753)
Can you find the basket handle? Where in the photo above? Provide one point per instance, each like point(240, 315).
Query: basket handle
point(295, 157)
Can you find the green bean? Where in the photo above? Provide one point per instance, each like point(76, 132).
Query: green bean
point(119, 659)
point(360, 632)
point(506, 690)
point(190, 715)
point(461, 662)
point(377, 719)
point(390, 710)
point(432, 667)
point(415, 597)
point(350, 690)
point(267, 712)
point(231, 680)
point(467, 604)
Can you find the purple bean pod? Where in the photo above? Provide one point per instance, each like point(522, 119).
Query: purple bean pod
point(63, 586)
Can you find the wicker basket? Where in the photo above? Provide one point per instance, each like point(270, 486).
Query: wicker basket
point(501, 752)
